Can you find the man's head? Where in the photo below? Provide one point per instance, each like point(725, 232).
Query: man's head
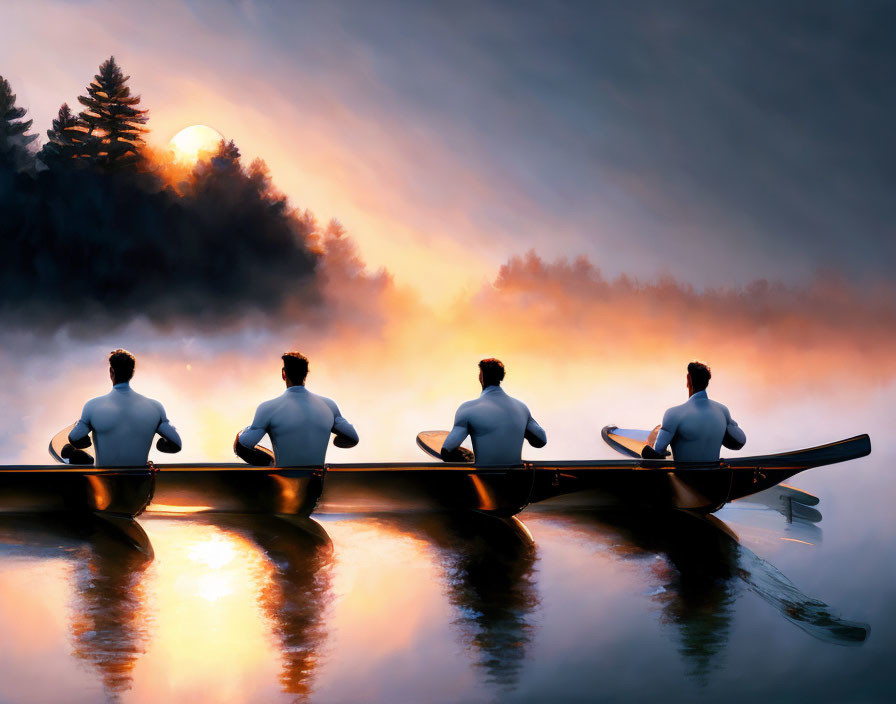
point(295, 368)
point(121, 366)
point(698, 377)
point(491, 372)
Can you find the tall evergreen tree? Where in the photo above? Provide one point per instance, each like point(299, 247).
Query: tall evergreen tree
point(228, 155)
point(13, 138)
point(113, 122)
point(67, 138)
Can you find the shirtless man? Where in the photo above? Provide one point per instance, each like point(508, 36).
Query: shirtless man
point(123, 422)
point(497, 423)
point(698, 428)
point(298, 422)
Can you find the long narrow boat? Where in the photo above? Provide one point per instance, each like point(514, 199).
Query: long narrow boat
point(337, 488)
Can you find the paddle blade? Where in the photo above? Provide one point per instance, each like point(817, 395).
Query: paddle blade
point(628, 441)
point(431, 441)
point(62, 451)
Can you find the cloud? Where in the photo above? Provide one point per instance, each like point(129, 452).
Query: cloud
point(567, 311)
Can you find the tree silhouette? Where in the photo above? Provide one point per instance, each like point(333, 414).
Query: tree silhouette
point(113, 122)
point(228, 150)
point(67, 138)
point(13, 138)
point(227, 157)
point(100, 246)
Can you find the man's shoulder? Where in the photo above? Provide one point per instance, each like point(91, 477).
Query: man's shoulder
point(675, 411)
point(514, 403)
point(148, 405)
point(469, 405)
point(514, 400)
point(720, 406)
point(99, 400)
point(317, 398)
point(93, 403)
point(139, 397)
point(272, 403)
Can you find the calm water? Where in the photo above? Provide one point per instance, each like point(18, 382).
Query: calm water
point(409, 608)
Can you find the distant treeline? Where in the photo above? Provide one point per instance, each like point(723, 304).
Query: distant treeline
point(92, 232)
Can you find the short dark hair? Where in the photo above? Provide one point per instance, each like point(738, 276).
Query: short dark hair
point(492, 371)
point(122, 363)
point(296, 366)
point(700, 375)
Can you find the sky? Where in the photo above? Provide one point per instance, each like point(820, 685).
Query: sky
point(594, 192)
point(716, 142)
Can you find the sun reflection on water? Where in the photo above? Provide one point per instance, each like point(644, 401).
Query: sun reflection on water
point(215, 552)
point(211, 639)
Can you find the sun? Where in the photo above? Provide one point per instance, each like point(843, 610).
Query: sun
point(192, 142)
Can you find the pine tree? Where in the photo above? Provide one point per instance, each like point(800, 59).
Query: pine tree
point(68, 138)
point(13, 138)
point(113, 122)
point(228, 154)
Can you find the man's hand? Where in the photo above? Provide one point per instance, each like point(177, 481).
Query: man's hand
point(343, 441)
point(648, 453)
point(82, 444)
point(75, 455)
point(732, 444)
point(534, 440)
point(165, 445)
point(461, 454)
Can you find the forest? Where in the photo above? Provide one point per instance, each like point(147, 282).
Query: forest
point(97, 228)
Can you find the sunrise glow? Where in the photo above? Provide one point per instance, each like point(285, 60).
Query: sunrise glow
point(191, 143)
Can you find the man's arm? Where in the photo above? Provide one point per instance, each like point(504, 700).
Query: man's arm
point(80, 435)
point(251, 436)
point(458, 434)
point(346, 435)
point(663, 437)
point(735, 438)
point(170, 441)
point(535, 434)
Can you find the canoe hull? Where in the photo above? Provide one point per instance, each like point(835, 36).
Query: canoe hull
point(693, 486)
point(698, 490)
point(55, 489)
point(237, 489)
point(499, 491)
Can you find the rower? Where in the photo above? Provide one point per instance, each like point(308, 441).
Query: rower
point(497, 423)
point(698, 428)
point(298, 422)
point(123, 422)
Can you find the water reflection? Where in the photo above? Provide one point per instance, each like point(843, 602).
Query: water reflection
point(488, 565)
point(295, 595)
point(108, 623)
point(702, 571)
